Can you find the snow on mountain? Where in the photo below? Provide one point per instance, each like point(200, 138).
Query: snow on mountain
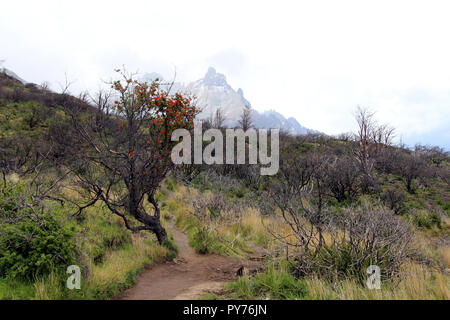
point(214, 92)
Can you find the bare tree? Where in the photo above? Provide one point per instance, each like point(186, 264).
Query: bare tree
point(366, 124)
point(16, 151)
point(433, 154)
point(341, 177)
point(66, 85)
point(245, 122)
point(381, 136)
point(299, 183)
point(219, 119)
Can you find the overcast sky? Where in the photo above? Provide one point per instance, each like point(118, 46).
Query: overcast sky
point(314, 60)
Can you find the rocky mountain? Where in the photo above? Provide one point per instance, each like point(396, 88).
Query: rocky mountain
point(214, 92)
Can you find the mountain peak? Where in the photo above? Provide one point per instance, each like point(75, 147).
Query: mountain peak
point(213, 78)
point(211, 72)
point(246, 103)
point(213, 92)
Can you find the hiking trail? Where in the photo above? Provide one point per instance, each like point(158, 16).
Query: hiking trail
point(190, 275)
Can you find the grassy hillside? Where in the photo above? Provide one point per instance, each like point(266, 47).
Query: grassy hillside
point(31, 266)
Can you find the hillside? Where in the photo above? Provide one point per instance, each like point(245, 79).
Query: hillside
point(82, 186)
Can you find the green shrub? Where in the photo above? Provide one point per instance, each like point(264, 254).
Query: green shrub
point(161, 195)
point(173, 249)
point(32, 239)
point(166, 215)
point(170, 185)
point(201, 239)
point(349, 263)
point(445, 205)
point(427, 221)
point(276, 283)
point(236, 192)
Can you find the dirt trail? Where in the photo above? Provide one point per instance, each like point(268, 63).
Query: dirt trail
point(189, 276)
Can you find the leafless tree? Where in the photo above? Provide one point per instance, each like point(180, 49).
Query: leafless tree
point(341, 177)
point(245, 122)
point(219, 119)
point(365, 120)
point(411, 166)
point(299, 184)
point(346, 136)
point(381, 136)
point(45, 86)
point(360, 237)
point(16, 151)
point(64, 87)
point(433, 154)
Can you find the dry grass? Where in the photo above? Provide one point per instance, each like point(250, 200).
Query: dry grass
point(106, 280)
point(118, 265)
point(418, 283)
point(445, 256)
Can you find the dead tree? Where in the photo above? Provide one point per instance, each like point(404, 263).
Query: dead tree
point(245, 122)
point(364, 117)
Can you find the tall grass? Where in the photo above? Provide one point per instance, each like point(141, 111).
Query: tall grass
point(228, 237)
point(418, 283)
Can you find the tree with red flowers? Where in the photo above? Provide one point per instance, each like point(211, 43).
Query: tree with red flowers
point(126, 148)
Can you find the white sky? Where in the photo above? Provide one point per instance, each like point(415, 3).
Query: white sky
point(314, 60)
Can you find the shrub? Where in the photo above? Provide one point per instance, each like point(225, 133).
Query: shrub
point(358, 238)
point(276, 282)
point(32, 239)
point(426, 220)
point(201, 239)
point(172, 247)
point(394, 199)
point(166, 215)
point(170, 184)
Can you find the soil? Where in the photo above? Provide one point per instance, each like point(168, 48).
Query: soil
point(190, 275)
